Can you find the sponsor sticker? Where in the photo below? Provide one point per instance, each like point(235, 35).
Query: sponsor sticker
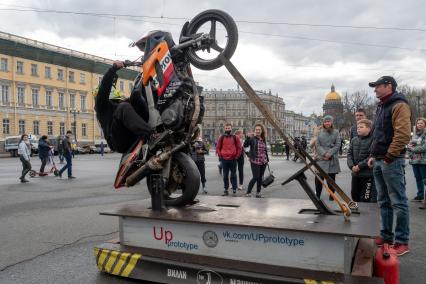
point(210, 239)
point(209, 277)
point(163, 235)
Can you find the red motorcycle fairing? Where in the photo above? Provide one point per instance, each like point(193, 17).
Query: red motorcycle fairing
point(127, 165)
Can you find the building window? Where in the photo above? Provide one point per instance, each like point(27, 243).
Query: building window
point(99, 80)
point(48, 72)
point(61, 100)
point(50, 128)
point(60, 74)
point(83, 129)
point(6, 126)
point(82, 78)
point(21, 125)
point(34, 70)
point(121, 86)
point(21, 95)
point(34, 95)
point(130, 86)
point(3, 64)
point(83, 102)
point(5, 94)
point(71, 76)
point(49, 99)
point(19, 67)
point(36, 127)
point(72, 101)
point(62, 128)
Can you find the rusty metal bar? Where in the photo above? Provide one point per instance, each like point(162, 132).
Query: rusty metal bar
point(302, 154)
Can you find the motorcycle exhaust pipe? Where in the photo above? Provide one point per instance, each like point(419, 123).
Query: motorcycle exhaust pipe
point(137, 176)
point(153, 164)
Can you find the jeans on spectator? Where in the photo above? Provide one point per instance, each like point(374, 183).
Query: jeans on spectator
point(26, 166)
point(43, 164)
point(257, 171)
point(202, 169)
point(229, 166)
point(68, 165)
point(420, 175)
point(240, 163)
point(391, 197)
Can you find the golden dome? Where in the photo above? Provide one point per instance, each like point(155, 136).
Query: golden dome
point(333, 95)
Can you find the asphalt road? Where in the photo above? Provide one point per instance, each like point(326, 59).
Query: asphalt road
point(48, 227)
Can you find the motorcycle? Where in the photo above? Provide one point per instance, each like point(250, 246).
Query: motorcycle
point(175, 105)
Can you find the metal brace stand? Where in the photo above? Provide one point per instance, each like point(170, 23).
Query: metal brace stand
point(157, 201)
point(301, 178)
point(306, 158)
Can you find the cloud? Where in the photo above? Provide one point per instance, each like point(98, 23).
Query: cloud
point(299, 62)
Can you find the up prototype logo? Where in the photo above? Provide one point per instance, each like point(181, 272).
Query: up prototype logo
point(210, 239)
point(162, 234)
point(209, 277)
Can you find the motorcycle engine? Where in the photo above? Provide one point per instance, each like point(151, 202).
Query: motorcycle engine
point(173, 116)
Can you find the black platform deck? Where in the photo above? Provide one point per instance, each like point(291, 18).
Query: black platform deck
point(268, 213)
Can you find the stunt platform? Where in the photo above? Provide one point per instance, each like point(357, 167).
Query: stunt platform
point(241, 240)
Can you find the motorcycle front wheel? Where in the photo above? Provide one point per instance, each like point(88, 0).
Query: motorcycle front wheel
point(183, 183)
point(224, 33)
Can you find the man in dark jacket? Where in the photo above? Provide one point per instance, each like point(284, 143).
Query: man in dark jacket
point(362, 189)
point(229, 149)
point(198, 150)
point(359, 114)
point(66, 144)
point(287, 150)
point(391, 134)
point(43, 152)
point(123, 121)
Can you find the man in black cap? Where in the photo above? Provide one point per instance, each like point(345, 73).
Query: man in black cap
point(391, 133)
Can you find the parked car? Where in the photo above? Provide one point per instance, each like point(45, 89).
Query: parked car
point(11, 144)
point(86, 149)
point(90, 148)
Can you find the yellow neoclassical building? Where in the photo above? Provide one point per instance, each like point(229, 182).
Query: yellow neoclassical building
point(45, 89)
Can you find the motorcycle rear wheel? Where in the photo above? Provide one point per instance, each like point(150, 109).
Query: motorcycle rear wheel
point(183, 183)
point(213, 16)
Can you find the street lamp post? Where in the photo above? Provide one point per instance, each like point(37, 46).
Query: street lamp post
point(74, 112)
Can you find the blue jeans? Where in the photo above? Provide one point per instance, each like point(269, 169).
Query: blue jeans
point(420, 175)
point(68, 165)
point(391, 197)
point(229, 166)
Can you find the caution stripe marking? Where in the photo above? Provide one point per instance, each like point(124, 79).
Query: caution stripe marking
point(115, 262)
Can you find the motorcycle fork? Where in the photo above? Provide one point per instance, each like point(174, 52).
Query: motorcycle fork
point(165, 172)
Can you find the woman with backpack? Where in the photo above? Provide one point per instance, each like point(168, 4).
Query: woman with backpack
point(259, 159)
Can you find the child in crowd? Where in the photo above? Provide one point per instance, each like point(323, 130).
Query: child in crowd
point(363, 189)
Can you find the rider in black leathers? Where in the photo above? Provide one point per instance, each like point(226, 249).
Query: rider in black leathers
point(123, 121)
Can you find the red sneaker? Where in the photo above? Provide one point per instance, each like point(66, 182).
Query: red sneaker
point(399, 249)
point(380, 241)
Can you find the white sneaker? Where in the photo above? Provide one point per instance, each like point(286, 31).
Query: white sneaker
point(240, 187)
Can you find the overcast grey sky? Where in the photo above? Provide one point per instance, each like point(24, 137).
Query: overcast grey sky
point(295, 48)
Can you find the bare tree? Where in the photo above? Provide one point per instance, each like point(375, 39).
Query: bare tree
point(416, 99)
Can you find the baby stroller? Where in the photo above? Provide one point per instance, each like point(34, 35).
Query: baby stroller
point(53, 169)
